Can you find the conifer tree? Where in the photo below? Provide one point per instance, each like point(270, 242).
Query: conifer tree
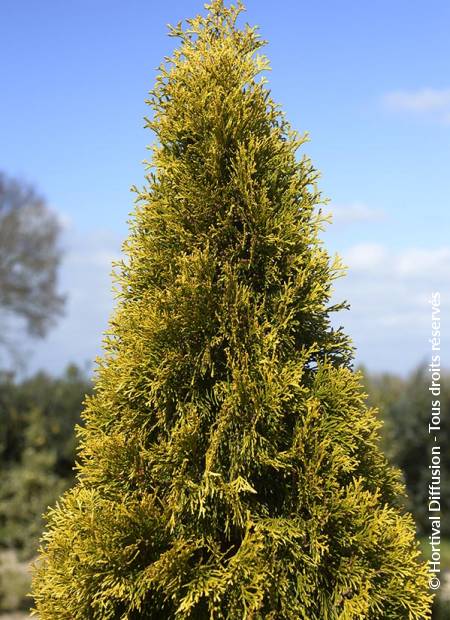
point(229, 466)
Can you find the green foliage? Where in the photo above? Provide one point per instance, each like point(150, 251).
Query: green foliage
point(405, 408)
point(441, 609)
point(444, 549)
point(58, 403)
point(37, 451)
point(229, 467)
point(28, 489)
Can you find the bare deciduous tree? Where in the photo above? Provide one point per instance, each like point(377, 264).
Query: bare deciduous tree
point(30, 255)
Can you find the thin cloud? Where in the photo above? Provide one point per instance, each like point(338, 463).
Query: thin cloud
point(355, 212)
point(366, 257)
point(389, 291)
point(431, 103)
point(410, 263)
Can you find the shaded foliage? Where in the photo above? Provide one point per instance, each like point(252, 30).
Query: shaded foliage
point(37, 448)
point(405, 406)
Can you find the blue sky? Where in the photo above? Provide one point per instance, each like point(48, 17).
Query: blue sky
point(368, 80)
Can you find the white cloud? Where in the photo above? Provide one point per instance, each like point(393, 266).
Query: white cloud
point(389, 291)
point(408, 264)
point(97, 248)
point(64, 219)
point(430, 102)
point(355, 212)
point(366, 256)
point(424, 263)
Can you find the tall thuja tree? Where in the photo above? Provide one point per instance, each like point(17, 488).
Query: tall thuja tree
point(229, 467)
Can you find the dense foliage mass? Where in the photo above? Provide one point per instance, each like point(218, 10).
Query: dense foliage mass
point(37, 443)
point(405, 405)
point(229, 467)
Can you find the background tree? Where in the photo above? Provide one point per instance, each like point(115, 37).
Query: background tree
point(28, 488)
point(229, 467)
point(29, 258)
point(384, 390)
point(405, 407)
point(37, 451)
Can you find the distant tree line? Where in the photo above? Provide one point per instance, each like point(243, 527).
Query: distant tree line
point(405, 408)
point(37, 449)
